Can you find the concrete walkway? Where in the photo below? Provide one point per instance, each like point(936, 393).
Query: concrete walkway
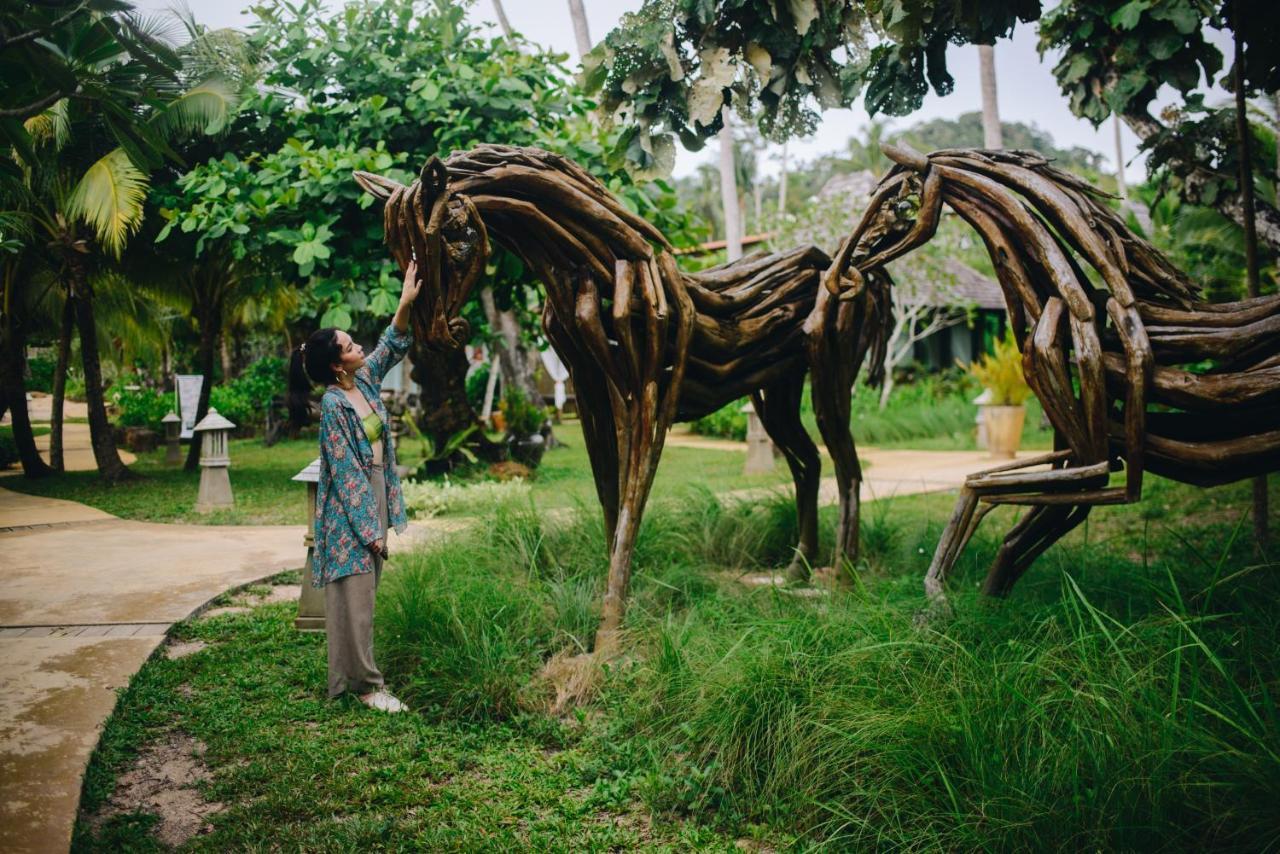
point(77, 452)
point(86, 598)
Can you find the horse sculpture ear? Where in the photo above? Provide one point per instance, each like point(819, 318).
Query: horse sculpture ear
point(377, 186)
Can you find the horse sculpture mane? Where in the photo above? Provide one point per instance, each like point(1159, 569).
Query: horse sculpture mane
point(646, 344)
point(1107, 327)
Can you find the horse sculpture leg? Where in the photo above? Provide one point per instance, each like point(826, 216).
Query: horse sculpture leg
point(779, 408)
point(831, 347)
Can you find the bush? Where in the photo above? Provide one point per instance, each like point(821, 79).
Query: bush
point(477, 382)
point(1000, 372)
point(41, 369)
point(141, 407)
point(234, 403)
point(728, 422)
point(75, 386)
point(524, 417)
point(429, 498)
point(8, 450)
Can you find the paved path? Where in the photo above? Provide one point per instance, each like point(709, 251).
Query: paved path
point(887, 472)
point(86, 598)
point(77, 453)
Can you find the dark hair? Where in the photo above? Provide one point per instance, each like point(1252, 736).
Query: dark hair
point(311, 364)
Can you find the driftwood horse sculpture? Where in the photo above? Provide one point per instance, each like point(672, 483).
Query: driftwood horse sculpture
point(1106, 325)
point(646, 345)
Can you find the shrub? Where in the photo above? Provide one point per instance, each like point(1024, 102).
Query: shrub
point(1001, 373)
point(41, 369)
point(429, 498)
point(524, 417)
point(8, 450)
point(140, 407)
point(477, 382)
point(75, 386)
point(728, 422)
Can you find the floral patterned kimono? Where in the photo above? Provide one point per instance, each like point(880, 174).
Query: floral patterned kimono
point(347, 520)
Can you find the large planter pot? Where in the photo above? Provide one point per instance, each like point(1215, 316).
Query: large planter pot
point(527, 450)
point(1004, 430)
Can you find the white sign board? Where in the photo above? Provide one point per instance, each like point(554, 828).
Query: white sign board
point(188, 390)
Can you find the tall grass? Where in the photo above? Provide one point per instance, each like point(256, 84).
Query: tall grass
point(1123, 697)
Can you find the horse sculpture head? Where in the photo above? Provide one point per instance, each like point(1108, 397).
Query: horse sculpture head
point(442, 231)
point(902, 214)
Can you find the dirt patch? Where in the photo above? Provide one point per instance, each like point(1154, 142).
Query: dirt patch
point(180, 649)
point(281, 593)
point(162, 781)
point(225, 609)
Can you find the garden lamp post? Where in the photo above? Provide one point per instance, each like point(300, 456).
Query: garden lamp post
point(172, 427)
point(759, 445)
point(311, 601)
point(215, 459)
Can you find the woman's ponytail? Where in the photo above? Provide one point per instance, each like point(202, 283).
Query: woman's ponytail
point(310, 364)
point(298, 399)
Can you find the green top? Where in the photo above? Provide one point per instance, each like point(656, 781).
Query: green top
point(372, 426)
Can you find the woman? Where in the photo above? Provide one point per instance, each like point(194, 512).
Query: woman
point(359, 493)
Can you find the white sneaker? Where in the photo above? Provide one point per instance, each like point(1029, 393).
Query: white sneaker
point(383, 702)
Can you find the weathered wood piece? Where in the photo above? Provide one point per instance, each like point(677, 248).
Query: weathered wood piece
point(647, 345)
point(1107, 327)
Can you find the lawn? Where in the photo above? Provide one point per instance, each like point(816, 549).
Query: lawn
point(1122, 698)
point(265, 495)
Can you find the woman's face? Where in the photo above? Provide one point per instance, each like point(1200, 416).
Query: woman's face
point(352, 354)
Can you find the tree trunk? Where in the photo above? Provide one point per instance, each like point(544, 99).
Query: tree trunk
point(13, 388)
point(1231, 205)
point(729, 191)
point(60, 385)
point(443, 408)
point(991, 135)
point(1120, 183)
point(206, 353)
point(224, 353)
point(503, 23)
point(782, 183)
point(105, 453)
point(580, 31)
point(513, 356)
point(1244, 135)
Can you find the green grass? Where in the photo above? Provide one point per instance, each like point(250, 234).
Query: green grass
point(564, 478)
point(299, 771)
point(6, 430)
point(260, 482)
point(1124, 697)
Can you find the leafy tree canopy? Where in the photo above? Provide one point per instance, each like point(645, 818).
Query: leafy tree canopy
point(669, 68)
point(378, 86)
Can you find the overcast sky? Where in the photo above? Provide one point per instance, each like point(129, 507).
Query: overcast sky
point(1027, 90)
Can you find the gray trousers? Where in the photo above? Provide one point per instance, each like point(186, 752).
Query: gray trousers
point(348, 620)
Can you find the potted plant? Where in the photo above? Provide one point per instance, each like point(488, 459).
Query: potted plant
point(1000, 373)
point(525, 421)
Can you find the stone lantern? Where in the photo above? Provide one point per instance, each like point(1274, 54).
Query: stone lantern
point(311, 602)
point(982, 401)
point(214, 432)
point(172, 430)
point(759, 445)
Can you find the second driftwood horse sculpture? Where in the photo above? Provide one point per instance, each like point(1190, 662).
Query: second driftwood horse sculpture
point(646, 345)
point(1100, 351)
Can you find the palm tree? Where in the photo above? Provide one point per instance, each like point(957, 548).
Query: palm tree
point(580, 32)
point(87, 195)
point(991, 135)
point(729, 191)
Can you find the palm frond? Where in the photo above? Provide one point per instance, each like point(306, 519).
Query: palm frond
point(110, 198)
point(53, 125)
point(204, 108)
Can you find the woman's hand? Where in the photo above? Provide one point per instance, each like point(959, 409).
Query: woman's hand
point(411, 284)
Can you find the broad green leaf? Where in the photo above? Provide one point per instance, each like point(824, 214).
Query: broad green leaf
point(109, 198)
